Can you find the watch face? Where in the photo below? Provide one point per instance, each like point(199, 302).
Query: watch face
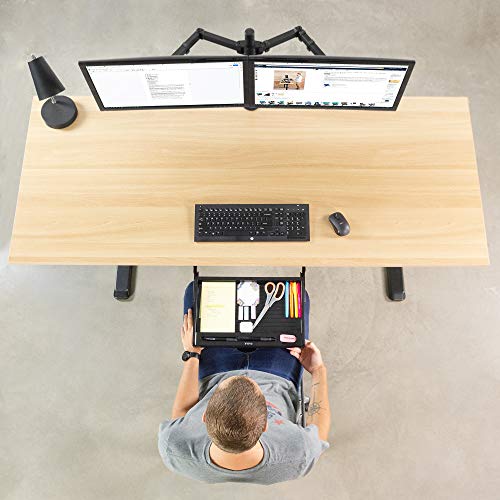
point(185, 356)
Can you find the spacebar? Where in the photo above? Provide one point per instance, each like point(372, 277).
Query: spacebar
point(236, 233)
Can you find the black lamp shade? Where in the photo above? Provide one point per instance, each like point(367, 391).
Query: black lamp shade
point(46, 82)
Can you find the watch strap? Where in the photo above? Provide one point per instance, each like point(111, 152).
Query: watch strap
point(189, 354)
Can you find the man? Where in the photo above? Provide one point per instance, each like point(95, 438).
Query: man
point(298, 80)
point(239, 423)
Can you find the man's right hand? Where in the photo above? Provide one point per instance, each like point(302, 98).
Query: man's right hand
point(309, 356)
point(187, 333)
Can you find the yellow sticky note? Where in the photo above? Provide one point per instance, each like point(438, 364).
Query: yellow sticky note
point(217, 306)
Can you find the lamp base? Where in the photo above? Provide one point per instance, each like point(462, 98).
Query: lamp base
point(60, 114)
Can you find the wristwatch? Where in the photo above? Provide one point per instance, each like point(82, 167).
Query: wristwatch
point(186, 355)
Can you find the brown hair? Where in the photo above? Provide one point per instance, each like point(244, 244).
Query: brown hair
point(236, 415)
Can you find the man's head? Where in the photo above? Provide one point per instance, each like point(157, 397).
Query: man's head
point(236, 415)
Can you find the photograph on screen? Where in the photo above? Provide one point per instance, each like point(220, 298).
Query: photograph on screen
point(289, 80)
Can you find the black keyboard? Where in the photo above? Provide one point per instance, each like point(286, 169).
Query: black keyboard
point(251, 223)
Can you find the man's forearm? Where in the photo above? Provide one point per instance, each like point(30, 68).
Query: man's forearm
point(319, 406)
point(187, 392)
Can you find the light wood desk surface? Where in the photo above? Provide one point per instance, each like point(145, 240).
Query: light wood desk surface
point(119, 187)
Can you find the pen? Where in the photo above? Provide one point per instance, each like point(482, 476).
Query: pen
point(287, 300)
point(229, 339)
point(258, 339)
point(291, 300)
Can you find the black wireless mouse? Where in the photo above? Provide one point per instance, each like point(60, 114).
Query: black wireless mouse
point(340, 224)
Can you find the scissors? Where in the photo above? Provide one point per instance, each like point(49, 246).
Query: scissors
point(274, 293)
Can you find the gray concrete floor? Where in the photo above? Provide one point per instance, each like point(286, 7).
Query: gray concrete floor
point(85, 380)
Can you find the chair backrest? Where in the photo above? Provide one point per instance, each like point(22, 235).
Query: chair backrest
point(303, 404)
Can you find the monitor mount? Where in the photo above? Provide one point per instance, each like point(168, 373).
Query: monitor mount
point(125, 276)
point(249, 46)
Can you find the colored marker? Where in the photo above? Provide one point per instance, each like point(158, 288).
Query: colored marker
point(296, 303)
point(287, 300)
point(299, 297)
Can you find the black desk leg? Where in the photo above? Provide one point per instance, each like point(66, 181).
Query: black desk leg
point(124, 288)
point(395, 283)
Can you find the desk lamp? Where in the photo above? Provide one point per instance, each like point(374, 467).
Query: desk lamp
point(57, 112)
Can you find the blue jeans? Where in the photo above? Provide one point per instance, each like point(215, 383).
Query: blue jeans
point(275, 360)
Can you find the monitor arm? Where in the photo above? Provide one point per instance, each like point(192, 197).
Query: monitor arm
point(250, 46)
point(201, 34)
point(297, 32)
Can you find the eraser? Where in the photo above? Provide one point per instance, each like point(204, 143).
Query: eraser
point(246, 327)
point(285, 337)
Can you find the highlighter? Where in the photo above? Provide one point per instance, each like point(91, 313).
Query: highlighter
point(299, 299)
point(287, 300)
point(296, 302)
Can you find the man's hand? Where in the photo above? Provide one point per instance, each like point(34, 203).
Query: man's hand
point(187, 333)
point(187, 392)
point(309, 356)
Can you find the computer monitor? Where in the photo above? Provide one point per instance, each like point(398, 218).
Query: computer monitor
point(168, 82)
point(330, 82)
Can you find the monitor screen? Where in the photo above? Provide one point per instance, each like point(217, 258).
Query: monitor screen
point(330, 82)
point(167, 82)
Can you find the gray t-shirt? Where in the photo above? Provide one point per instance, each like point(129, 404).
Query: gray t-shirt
point(290, 450)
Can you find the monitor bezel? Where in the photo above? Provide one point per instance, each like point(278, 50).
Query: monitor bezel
point(161, 60)
point(339, 60)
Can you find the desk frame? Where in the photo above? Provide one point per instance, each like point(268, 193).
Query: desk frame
point(125, 275)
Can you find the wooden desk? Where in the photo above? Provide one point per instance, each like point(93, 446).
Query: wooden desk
point(120, 187)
